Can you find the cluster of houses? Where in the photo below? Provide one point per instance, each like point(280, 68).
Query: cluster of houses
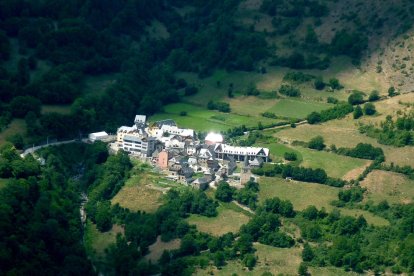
point(184, 158)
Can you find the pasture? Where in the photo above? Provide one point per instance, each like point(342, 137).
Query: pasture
point(390, 186)
point(229, 219)
point(295, 108)
point(96, 242)
point(202, 119)
point(156, 249)
point(303, 194)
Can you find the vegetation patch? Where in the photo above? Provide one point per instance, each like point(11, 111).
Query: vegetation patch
point(157, 248)
point(390, 186)
point(227, 220)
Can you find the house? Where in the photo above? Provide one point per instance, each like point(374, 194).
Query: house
point(163, 158)
point(224, 151)
point(98, 136)
point(256, 163)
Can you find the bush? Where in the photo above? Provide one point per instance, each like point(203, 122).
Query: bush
point(183, 113)
point(289, 90)
point(319, 84)
point(356, 97)
point(316, 143)
point(224, 192)
point(332, 100)
point(190, 90)
point(369, 109)
point(21, 105)
point(334, 84)
point(391, 91)
point(220, 106)
point(357, 112)
point(374, 96)
point(290, 156)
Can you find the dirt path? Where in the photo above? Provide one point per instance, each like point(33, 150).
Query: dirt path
point(244, 207)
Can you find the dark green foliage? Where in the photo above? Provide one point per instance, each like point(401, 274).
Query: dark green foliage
point(303, 269)
point(350, 44)
point(351, 195)
point(391, 91)
point(357, 112)
point(334, 84)
point(248, 194)
point(316, 143)
point(374, 96)
point(356, 98)
point(268, 114)
point(398, 133)
point(369, 109)
point(278, 206)
point(297, 77)
point(249, 261)
point(363, 151)
point(319, 84)
point(252, 90)
point(190, 90)
point(21, 105)
point(220, 106)
point(103, 216)
point(289, 90)
point(290, 156)
point(336, 112)
point(307, 253)
point(224, 192)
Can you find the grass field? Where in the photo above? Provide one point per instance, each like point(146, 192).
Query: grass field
point(138, 195)
point(390, 186)
point(334, 165)
point(16, 126)
point(278, 150)
point(229, 219)
point(303, 194)
point(202, 119)
point(156, 249)
point(297, 108)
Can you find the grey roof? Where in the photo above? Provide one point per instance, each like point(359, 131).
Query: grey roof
point(168, 122)
point(140, 119)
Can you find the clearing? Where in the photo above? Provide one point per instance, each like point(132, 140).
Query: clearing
point(17, 126)
point(296, 108)
point(229, 219)
point(156, 249)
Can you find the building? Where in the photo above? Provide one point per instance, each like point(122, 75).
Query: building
point(213, 138)
point(245, 173)
point(223, 151)
point(98, 136)
point(163, 158)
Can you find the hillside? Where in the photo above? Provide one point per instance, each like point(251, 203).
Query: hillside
point(326, 85)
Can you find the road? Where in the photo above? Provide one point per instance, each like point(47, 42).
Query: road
point(33, 149)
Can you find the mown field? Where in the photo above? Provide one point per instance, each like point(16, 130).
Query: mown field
point(303, 194)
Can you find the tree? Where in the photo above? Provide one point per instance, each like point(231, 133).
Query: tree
point(314, 118)
point(219, 259)
point(369, 109)
point(307, 253)
point(249, 261)
point(21, 105)
point(190, 90)
point(374, 96)
point(316, 143)
point(103, 216)
point(290, 156)
point(319, 84)
point(357, 112)
point(224, 192)
point(391, 91)
point(303, 269)
point(356, 98)
point(335, 84)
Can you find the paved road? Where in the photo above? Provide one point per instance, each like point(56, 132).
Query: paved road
point(33, 149)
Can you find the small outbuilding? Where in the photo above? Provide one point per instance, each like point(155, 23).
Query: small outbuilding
point(98, 136)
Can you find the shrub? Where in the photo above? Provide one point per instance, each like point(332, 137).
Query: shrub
point(190, 90)
point(319, 84)
point(369, 109)
point(332, 100)
point(374, 96)
point(335, 84)
point(356, 97)
point(357, 112)
point(289, 90)
point(317, 143)
point(290, 156)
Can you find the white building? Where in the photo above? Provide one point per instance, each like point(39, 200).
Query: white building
point(224, 151)
point(213, 138)
point(98, 136)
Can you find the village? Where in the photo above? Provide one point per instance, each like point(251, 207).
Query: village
point(182, 157)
